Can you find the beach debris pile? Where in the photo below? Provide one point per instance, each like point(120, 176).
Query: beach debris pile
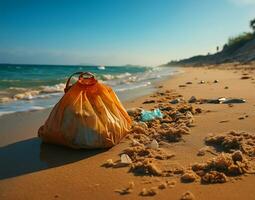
point(168, 124)
point(151, 129)
point(233, 140)
point(236, 158)
point(219, 168)
point(189, 176)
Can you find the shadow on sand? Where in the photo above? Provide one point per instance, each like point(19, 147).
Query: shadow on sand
point(32, 155)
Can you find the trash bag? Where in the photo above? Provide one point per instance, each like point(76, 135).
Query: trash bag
point(89, 115)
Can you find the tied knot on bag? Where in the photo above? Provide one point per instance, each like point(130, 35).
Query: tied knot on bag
point(88, 80)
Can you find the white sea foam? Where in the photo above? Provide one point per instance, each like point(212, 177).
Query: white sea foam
point(112, 77)
point(53, 89)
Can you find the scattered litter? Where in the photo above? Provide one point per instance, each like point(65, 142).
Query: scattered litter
point(192, 99)
point(149, 101)
point(125, 159)
point(151, 115)
point(187, 196)
point(202, 82)
point(241, 118)
point(234, 100)
point(189, 82)
point(223, 100)
point(213, 101)
point(182, 86)
point(175, 101)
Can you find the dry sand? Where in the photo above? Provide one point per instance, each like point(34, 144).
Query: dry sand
point(31, 170)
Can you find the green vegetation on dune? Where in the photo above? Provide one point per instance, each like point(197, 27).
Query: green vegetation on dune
point(238, 41)
point(240, 48)
point(242, 38)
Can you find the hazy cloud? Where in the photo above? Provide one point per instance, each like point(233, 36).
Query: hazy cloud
point(243, 2)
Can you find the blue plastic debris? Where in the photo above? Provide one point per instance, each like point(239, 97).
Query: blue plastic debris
point(150, 115)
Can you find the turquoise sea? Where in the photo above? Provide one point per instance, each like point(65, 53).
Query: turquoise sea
point(35, 87)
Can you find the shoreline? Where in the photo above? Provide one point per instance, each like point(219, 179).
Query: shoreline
point(56, 169)
point(128, 83)
point(22, 119)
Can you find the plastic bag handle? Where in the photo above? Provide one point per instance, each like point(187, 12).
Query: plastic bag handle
point(80, 76)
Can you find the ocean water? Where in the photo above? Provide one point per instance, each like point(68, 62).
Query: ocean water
point(35, 87)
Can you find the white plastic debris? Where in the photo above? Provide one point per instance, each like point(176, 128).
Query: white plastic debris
point(125, 159)
point(154, 144)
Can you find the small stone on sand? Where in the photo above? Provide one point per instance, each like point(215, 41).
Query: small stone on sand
point(188, 177)
point(187, 196)
point(149, 101)
point(162, 186)
point(149, 192)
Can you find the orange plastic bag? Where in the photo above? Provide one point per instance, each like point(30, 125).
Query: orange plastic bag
point(89, 115)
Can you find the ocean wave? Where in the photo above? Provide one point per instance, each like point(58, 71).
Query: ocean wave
point(133, 87)
point(53, 89)
point(9, 80)
point(106, 77)
point(19, 93)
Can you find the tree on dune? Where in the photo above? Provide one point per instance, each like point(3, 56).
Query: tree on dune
point(252, 24)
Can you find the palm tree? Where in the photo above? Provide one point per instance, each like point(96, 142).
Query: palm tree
point(252, 24)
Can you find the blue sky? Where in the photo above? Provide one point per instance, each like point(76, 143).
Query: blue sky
point(115, 32)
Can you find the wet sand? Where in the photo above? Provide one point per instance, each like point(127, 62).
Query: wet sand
point(31, 170)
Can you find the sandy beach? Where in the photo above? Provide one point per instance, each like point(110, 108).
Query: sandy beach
point(32, 170)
